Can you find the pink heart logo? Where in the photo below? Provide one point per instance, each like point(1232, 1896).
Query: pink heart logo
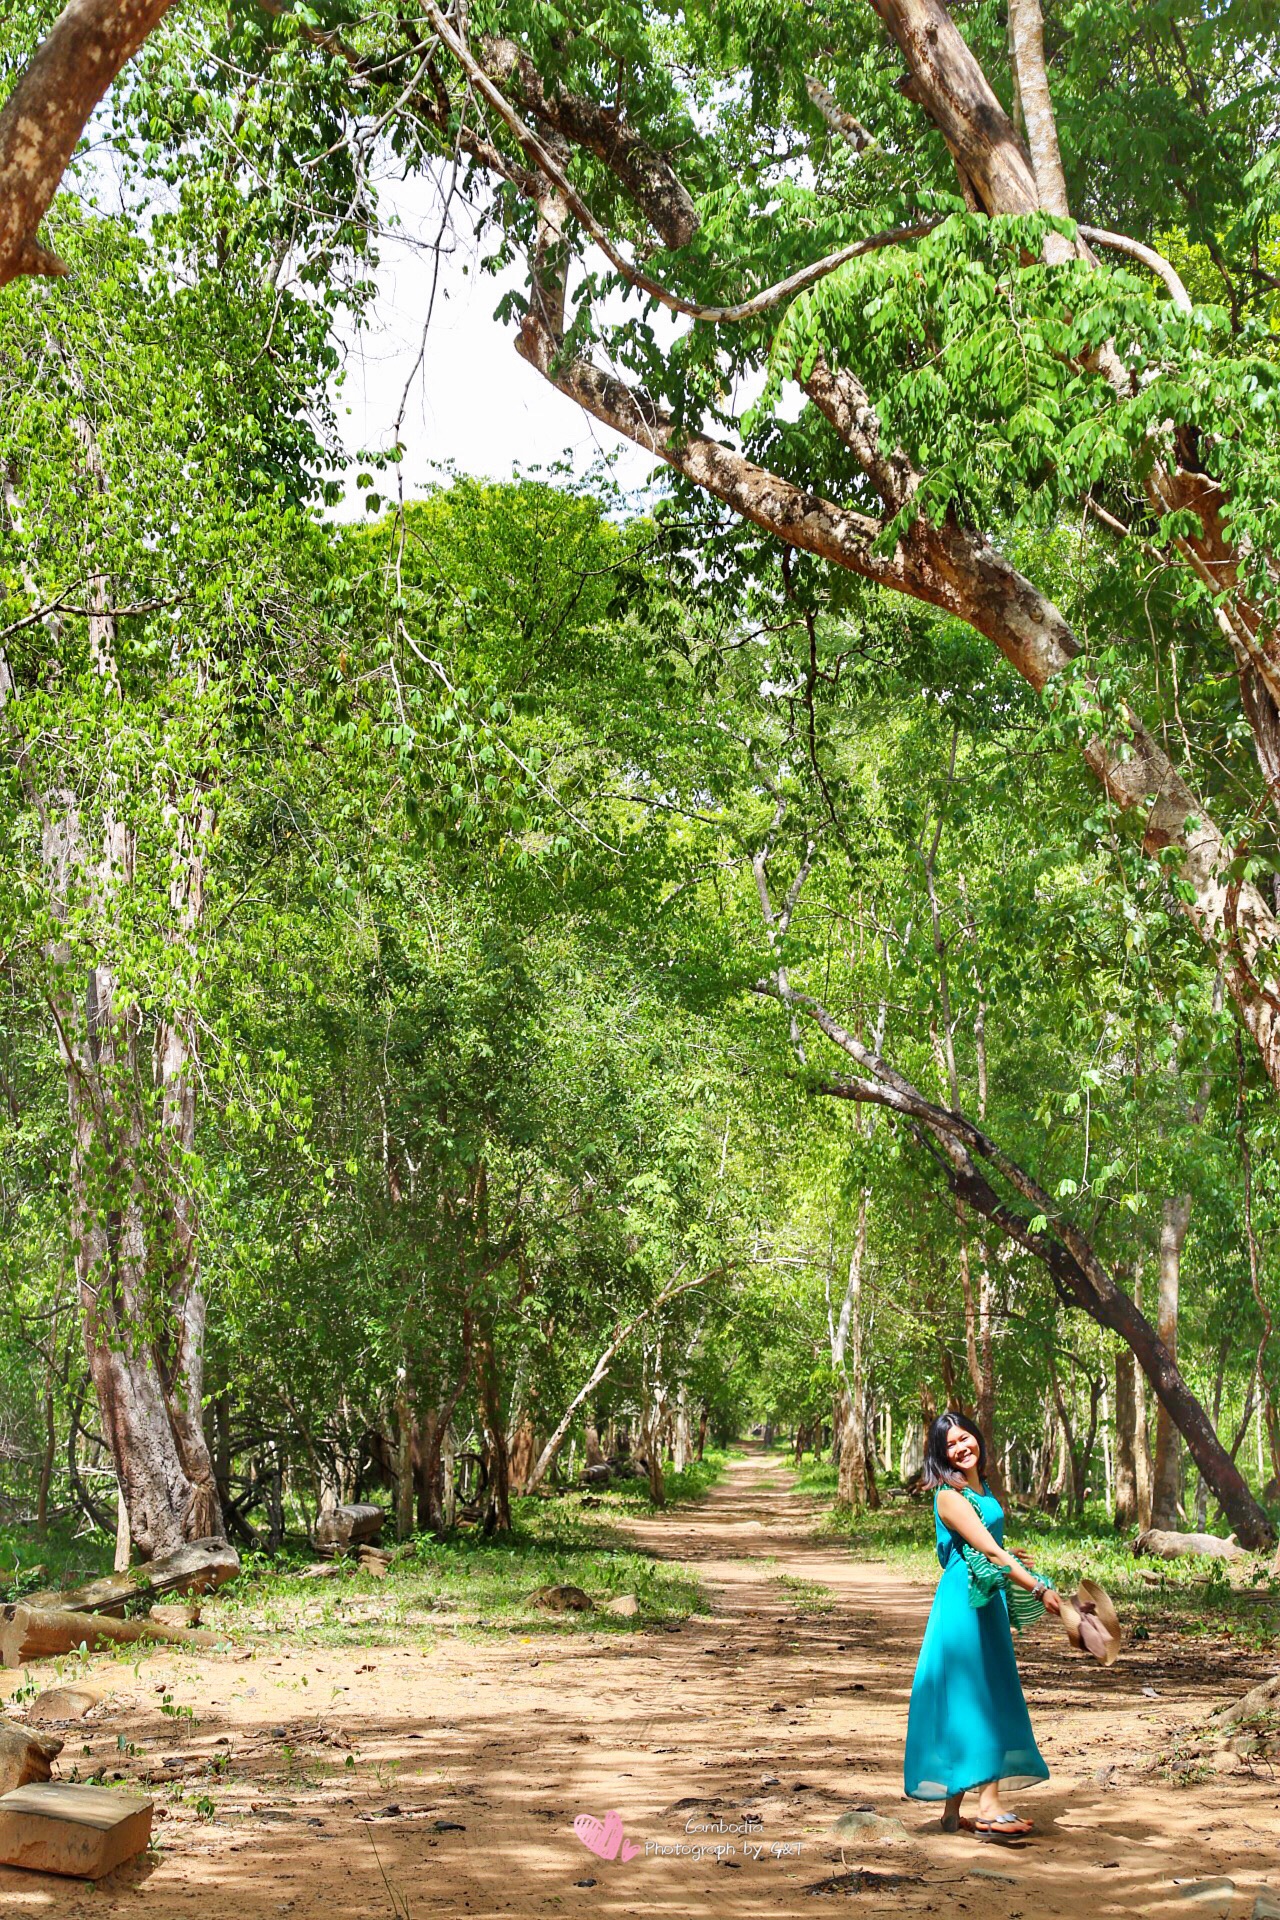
point(604, 1837)
point(630, 1848)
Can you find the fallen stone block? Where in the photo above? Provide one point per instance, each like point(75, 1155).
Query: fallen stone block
point(25, 1756)
point(81, 1832)
point(33, 1633)
point(196, 1568)
point(1166, 1545)
point(342, 1528)
point(625, 1604)
point(59, 1704)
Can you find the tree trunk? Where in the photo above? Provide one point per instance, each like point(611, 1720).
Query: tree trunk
point(46, 1461)
point(1166, 1499)
point(497, 1517)
point(523, 1447)
point(406, 1447)
point(682, 1441)
point(856, 1482)
point(1126, 1459)
point(703, 1418)
point(133, 1196)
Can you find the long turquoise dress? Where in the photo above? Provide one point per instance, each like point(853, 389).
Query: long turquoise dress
point(968, 1721)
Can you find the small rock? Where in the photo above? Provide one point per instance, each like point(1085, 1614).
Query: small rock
point(176, 1613)
point(564, 1599)
point(989, 1873)
point(1266, 1905)
point(448, 1826)
point(1213, 1895)
point(624, 1604)
point(1150, 1693)
point(871, 1826)
point(584, 1883)
point(777, 1707)
point(61, 1703)
point(725, 1861)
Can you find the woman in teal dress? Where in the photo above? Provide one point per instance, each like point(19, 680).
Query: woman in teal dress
point(968, 1729)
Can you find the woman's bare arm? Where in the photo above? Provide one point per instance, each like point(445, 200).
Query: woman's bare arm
point(955, 1512)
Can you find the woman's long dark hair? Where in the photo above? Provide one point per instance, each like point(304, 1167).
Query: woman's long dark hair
point(938, 1470)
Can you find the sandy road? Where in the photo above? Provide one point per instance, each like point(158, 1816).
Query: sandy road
point(748, 1732)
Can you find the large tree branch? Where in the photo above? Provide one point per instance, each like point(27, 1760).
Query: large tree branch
point(646, 175)
point(1026, 48)
point(48, 110)
point(1058, 1244)
point(600, 1371)
point(945, 79)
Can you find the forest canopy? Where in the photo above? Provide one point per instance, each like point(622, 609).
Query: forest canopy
point(537, 974)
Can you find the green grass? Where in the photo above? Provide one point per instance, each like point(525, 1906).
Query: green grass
point(1239, 1599)
point(64, 1558)
point(809, 1596)
point(465, 1583)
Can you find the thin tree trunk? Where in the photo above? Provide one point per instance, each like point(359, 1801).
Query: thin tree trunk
point(46, 1461)
point(1126, 1457)
point(406, 1448)
point(856, 1483)
point(600, 1372)
point(1044, 1463)
point(1166, 1501)
point(497, 1517)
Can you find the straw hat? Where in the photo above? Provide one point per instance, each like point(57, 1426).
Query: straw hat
point(1091, 1621)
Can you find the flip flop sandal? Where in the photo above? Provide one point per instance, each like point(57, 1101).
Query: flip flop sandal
point(1006, 1826)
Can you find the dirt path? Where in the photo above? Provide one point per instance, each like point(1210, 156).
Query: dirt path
point(469, 1761)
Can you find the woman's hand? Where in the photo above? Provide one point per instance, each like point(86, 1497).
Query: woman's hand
point(1027, 1559)
point(1051, 1601)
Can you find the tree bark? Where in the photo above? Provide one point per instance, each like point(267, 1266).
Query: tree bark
point(1126, 1463)
point(522, 1449)
point(497, 1517)
point(406, 1448)
point(1166, 1494)
point(46, 113)
point(855, 1483)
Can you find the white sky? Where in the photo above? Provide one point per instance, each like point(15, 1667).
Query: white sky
point(473, 401)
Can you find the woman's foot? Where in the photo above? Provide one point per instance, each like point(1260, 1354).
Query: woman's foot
point(1002, 1826)
point(952, 1820)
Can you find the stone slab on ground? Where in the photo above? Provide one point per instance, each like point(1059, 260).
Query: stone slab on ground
point(80, 1832)
point(56, 1705)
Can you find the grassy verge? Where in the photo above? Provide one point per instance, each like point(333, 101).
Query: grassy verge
point(1237, 1600)
point(64, 1558)
point(465, 1583)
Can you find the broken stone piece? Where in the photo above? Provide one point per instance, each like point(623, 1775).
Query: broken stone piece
point(25, 1756)
point(177, 1613)
point(871, 1826)
point(566, 1599)
point(625, 1604)
point(342, 1528)
point(82, 1832)
point(61, 1703)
